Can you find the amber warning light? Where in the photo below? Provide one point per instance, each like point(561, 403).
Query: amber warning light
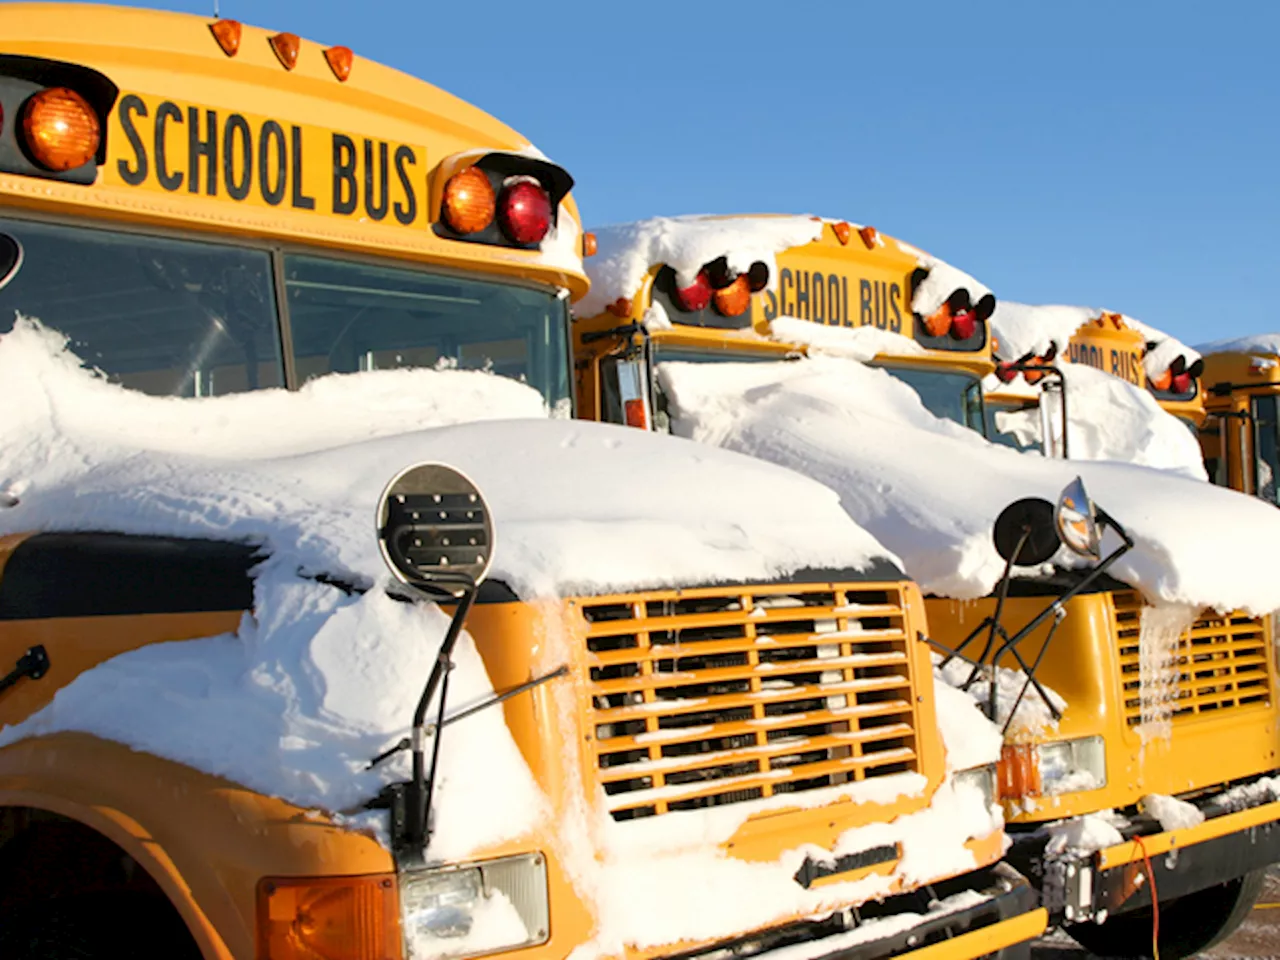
point(59, 129)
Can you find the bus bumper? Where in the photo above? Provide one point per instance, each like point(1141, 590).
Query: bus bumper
point(1116, 879)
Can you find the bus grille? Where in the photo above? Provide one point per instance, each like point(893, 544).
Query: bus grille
point(709, 697)
point(1222, 663)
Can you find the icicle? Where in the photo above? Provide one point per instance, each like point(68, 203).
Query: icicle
point(1159, 665)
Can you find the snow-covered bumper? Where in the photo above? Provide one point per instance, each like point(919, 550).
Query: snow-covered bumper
point(1081, 886)
point(991, 912)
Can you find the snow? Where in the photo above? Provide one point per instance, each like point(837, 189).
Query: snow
point(942, 281)
point(1032, 717)
point(1267, 344)
point(1023, 329)
point(1246, 795)
point(1159, 634)
point(1082, 835)
point(866, 434)
point(856, 343)
point(1173, 814)
point(626, 252)
point(495, 924)
point(971, 740)
point(1110, 419)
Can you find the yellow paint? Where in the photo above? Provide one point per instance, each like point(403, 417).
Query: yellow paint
point(1110, 345)
point(1130, 852)
point(987, 940)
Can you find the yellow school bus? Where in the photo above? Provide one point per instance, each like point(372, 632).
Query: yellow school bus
point(1239, 436)
point(204, 208)
point(1219, 708)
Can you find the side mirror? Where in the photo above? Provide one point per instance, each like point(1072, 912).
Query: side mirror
point(10, 258)
point(1076, 519)
point(1024, 533)
point(434, 530)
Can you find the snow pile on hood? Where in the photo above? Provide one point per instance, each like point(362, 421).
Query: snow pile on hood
point(931, 490)
point(578, 506)
point(627, 251)
point(1265, 344)
point(1022, 328)
point(856, 343)
point(1109, 419)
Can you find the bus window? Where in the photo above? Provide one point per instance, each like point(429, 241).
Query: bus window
point(166, 317)
point(1021, 427)
point(1266, 449)
point(346, 316)
point(948, 395)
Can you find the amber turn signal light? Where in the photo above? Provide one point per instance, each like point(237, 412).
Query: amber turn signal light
point(589, 245)
point(337, 918)
point(340, 60)
point(733, 300)
point(620, 308)
point(1018, 774)
point(60, 130)
point(227, 33)
point(286, 46)
point(869, 237)
point(842, 231)
point(469, 201)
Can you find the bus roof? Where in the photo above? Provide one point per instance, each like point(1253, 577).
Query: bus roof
point(248, 104)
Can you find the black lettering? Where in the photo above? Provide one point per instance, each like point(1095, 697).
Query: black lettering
point(1116, 370)
point(784, 279)
point(844, 302)
point(238, 189)
point(197, 148)
point(408, 212)
point(129, 105)
point(770, 305)
point(802, 294)
point(819, 298)
point(164, 113)
point(372, 180)
point(895, 303)
point(833, 300)
point(298, 200)
point(864, 303)
point(272, 193)
point(881, 323)
point(344, 174)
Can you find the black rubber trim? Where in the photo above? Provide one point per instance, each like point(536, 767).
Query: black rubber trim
point(110, 574)
point(1009, 895)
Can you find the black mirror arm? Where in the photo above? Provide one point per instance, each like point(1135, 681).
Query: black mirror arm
point(1005, 579)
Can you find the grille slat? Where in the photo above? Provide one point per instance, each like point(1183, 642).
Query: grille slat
point(702, 698)
point(1222, 663)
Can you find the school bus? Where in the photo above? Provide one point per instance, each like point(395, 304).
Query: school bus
point(1239, 435)
point(1217, 713)
point(206, 208)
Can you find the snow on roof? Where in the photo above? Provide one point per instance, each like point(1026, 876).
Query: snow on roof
point(1166, 349)
point(1022, 328)
point(866, 434)
point(1266, 344)
point(627, 251)
point(942, 281)
point(856, 343)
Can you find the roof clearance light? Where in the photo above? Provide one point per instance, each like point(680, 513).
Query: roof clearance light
point(60, 129)
point(620, 308)
point(842, 231)
point(525, 211)
point(286, 46)
point(697, 295)
point(1163, 381)
point(869, 237)
point(590, 245)
point(227, 33)
point(1004, 373)
point(938, 324)
point(340, 60)
point(758, 276)
point(733, 300)
point(1182, 383)
point(469, 201)
point(964, 324)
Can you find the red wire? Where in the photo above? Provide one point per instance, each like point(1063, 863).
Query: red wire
point(1155, 903)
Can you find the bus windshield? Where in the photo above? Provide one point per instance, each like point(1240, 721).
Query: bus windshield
point(1017, 439)
point(947, 394)
point(184, 318)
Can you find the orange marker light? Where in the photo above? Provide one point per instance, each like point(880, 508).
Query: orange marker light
point(337, 918)
point(733, 300)
point(227, 33)
point(842, 232)
point(60, 129)
point(340, 60)
point(620, 308)
point(939, 324)
point(469, 201)
point(286, 46)
point(589, 245)
point(635, 414)
point(1017, 771)
point(869, 237)
point(1163, 381)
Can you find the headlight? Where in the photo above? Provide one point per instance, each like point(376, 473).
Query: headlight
point(1050, 769)
point(1072, 766)
point(475, 909)
point(982, 778)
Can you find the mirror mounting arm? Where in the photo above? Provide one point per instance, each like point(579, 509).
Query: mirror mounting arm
point(1056, 371)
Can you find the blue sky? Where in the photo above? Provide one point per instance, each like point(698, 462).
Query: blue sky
point(1123, 157)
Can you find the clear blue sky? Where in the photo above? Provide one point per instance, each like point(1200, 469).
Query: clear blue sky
point(1117, 155)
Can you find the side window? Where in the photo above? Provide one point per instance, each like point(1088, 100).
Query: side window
point(166, 317)
point(1266, 454)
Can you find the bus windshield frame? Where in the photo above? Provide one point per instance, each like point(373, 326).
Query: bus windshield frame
point(172, 313)
point(963, 388)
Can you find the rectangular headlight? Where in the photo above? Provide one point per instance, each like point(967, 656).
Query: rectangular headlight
point(981, 778)
point(1072, 766)
point(479, 908)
